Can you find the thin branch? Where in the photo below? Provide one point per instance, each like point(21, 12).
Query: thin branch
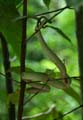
point(22, 62)
point(44, 23)
point(29, 99)
point(69, 77)
point(53, 11)
point(31, 36)
point(45, 13)
point(41, 14)
point(2, 74)
point(9, 84)
point(49, 111)
point(65, 114)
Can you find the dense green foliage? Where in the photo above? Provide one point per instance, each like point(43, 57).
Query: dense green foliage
point(11, 27)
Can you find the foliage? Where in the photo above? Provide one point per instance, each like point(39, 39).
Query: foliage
point(47, 2)
point(10, 26)
point(7, 2)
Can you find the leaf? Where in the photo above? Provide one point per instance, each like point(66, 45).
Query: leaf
point(70, 91)
point(9, 28)
point(61, 33)
point(17, 1)
point(16, 69)
point(52, 73)
point(47, 3)
point(6, 2)
point(10, 1)
point(13, 97)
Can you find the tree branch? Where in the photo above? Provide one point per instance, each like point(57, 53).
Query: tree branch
point(22, 61)
point(79, 33)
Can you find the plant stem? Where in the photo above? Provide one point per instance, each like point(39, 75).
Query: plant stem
point(9, 84)
point(22, 61)
point(79, 33)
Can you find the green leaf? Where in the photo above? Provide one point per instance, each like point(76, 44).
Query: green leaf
point(47, 2)
point(60, 32)
point(11, 29)
point(18, 1)
point(70, 91)
point(8, 2)
point(13, 97)
point(16, 69)
point(52, 73)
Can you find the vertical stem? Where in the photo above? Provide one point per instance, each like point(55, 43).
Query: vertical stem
point(79, 33)
point(9, 85)
point(22, 61)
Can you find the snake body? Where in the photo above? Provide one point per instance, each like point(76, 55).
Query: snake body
point(44, 77)
point(55, 59)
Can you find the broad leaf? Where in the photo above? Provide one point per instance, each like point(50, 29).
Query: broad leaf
point(11, 29)
point(16, 69)
point(9, 2)
point(60, 32)
point(13, 97)
point(70, 91)
point(46, 2)
point(18, 1)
